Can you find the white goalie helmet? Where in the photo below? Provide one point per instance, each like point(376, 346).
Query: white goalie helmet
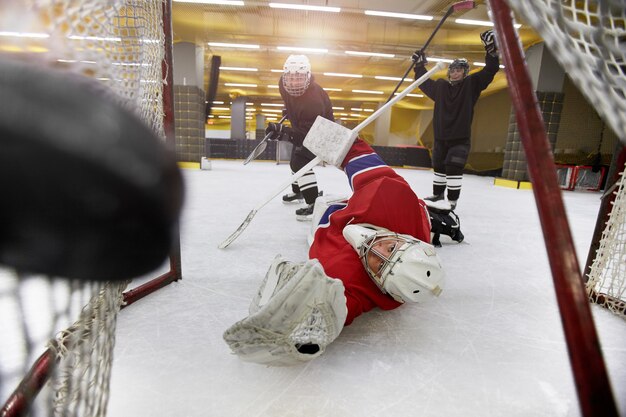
point(296, 75)
point(409, 271)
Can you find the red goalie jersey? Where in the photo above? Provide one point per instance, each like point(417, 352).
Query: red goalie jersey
point(380, 197)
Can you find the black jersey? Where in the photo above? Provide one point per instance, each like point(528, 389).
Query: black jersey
point(303, 110)
point(454, 104)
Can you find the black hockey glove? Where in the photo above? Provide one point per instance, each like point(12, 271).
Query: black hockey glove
point(419, 59)
point(489, 40)
point(278, 131)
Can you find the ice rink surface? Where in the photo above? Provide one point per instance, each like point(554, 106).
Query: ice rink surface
point(491, 346)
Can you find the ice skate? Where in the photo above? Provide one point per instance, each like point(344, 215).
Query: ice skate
point(292, 198)
point(305, 213)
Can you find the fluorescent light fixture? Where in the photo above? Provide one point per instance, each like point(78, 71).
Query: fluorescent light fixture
point(356, 115)
point(239, 85)
point(369, 110)
point(277, 70)
point(480, 23)
point(223, 117)
point(25, 35)
point(382, 77)
point(249, 104)
point(272, 86)
point(339, 74)
point(302, 49)
point(367, 91)
point(250, 109)
point(370, 54)
point(221, 2)
point(482, 64)
point(218, 102)
point(398, 15)
point(449, 61)
point(234, 45)
point(272, 104)
point(305, 7)
point(273, 110)
point(331, 89)
point(94, 38)
point(356, 109)
point(411, 95)
point(338, 108)
point(238, 69)
point(221, 108)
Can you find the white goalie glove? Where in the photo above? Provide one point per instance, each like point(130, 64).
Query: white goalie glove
point(297, 312)
point(488, 39)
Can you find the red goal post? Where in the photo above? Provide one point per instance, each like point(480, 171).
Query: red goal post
point(585, 37)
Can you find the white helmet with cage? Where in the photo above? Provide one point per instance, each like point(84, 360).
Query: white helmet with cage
point(296, 75)
point(411, 272)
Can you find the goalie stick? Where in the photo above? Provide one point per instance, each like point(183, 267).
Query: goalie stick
point(461, 5)
point(258, 150)
point(353, 133)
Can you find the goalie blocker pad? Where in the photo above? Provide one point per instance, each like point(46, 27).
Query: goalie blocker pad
point(297, 312)
point(329, 141)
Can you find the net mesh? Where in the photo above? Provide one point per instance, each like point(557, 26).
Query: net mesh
point(121, 44)
point(588, 39)
point(607, 277)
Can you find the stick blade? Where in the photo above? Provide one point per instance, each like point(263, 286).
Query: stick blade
point(230, 239)
point(260, 148)
point(463, 5)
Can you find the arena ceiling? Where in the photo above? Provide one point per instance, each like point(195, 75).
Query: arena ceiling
point(342, 36)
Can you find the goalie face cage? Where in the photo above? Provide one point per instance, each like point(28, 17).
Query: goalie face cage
point(587, 37)
point(57, 334)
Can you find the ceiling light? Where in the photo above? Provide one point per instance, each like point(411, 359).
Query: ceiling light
point(480, 23)
point(223, 117)
point(272, 104)
point(302, 49)
point(221, 108)
point(305, 7)
point(217, 102)
point(383, 77)
point(482, 64)
point(239, 85)
point(222, 2)
point(331, 89)
point(411, 95)
point(277, 70)
point(369, 110)
point(338, 74)
point(338, 108)
point(370, 54)
point(367, 91)
point(233, 45)
point(356, 109)
point(272, 86)
point(398, 15)
point(238, 69)
point(24, 35)
point(449, 61)
point(273, 110)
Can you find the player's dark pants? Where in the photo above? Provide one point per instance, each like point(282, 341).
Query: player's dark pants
point(449, 158)
point(307, 184)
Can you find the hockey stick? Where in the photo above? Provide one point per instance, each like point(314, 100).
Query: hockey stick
point(462, 5)
point(342, 131)
point(258, 150)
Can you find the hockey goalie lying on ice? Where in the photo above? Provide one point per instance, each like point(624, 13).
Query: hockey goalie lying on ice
point(372, 250)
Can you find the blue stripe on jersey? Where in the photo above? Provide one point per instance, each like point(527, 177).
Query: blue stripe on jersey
point(324, 220)
point(362, 163)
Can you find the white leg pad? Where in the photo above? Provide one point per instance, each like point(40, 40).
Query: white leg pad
point(305, 308)
point(329, 140)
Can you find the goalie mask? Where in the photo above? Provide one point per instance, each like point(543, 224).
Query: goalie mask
point(459, 63)
point(402, 266)
point(296, 75)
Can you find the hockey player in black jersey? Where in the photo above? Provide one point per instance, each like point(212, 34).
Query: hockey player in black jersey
point(304, 100)
point(452, 119)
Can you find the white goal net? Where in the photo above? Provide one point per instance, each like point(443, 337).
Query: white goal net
point(588, 38)
point(58, 334)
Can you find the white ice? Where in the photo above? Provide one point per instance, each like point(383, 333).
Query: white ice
point(492, 345)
